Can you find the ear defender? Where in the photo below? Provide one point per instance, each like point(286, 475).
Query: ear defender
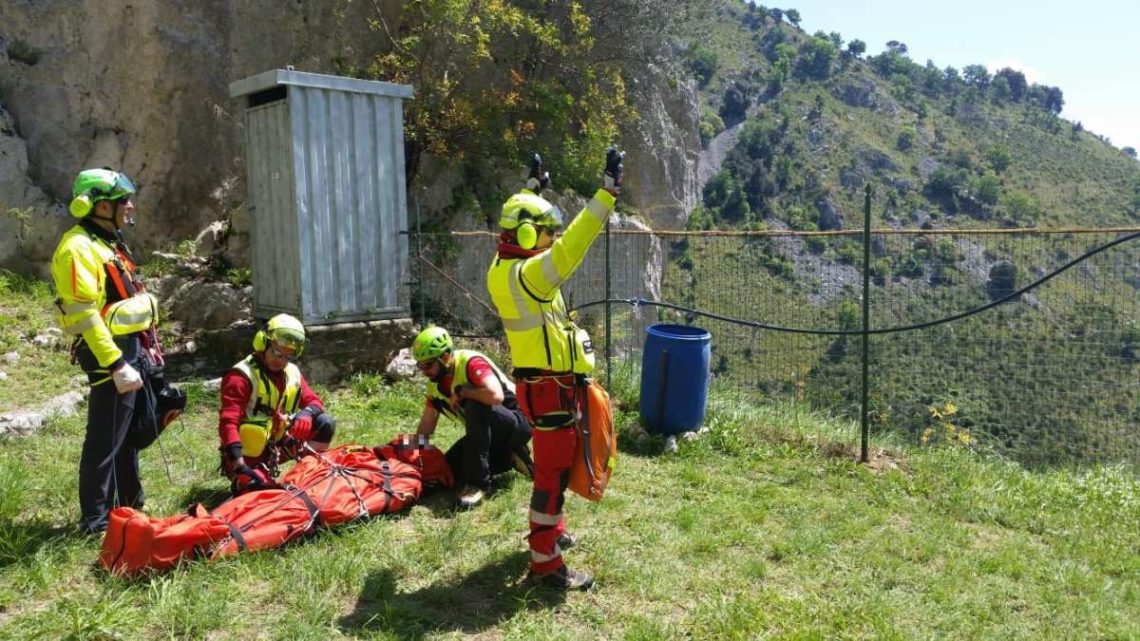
point(259, 342)
point(80, 206)
point(527, 235)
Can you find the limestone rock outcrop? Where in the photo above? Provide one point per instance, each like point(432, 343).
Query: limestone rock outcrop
point(143, 86)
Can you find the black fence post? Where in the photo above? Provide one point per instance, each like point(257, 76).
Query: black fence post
point(609, 334)
point(865, 400)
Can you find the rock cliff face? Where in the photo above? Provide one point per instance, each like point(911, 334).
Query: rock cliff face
point(143, 86)
point(662, 153)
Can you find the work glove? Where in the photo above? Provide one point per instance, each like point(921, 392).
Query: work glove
point(127, 379)
point(289, 448)
point(302, 428)
point(611, 179)
point(247, 479)
point(539, 178)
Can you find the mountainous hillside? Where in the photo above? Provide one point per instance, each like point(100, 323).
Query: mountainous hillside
point(811, 121)
point(796, 127)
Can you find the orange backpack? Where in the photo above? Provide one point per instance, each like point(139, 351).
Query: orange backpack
point(596, 452)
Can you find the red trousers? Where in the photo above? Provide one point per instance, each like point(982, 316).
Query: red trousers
point(550, 403)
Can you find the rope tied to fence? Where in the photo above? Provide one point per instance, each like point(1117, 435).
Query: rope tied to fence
point(466, 292)
point(636, 302)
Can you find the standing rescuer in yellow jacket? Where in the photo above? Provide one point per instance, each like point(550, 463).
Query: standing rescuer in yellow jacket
point(102, 303)
point(551, 355)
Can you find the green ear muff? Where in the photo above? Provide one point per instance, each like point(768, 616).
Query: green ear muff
point(527, 236)
point(80, 206)
point(259, 341)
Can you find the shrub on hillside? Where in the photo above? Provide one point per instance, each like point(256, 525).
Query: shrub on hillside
point(702, 62)
point(999, 158)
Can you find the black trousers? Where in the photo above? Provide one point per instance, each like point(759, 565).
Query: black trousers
point(108, 466)
point(491, 434)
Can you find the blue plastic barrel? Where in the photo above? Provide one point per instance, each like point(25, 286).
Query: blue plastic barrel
point(675, 378)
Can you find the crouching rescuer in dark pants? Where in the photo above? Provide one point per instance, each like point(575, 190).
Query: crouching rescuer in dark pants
point(470, 389)
point(550, 353)
point(269, 414)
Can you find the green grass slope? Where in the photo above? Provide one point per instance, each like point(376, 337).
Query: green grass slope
point(764, 528)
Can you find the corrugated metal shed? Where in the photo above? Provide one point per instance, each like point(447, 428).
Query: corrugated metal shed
point(325, 171)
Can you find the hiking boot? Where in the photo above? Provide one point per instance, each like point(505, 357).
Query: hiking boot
point(470, 497)
point(567, 540)
point(564, 579)
point(520, 458)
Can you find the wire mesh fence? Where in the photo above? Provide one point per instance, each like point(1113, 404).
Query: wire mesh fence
point(1048, 377)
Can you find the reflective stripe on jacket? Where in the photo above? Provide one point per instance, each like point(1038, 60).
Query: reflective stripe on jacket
point(460, 358)
point(527, 294)
point(266, 399)
point(98, 293)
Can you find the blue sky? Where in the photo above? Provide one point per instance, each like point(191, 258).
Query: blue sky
point(1089, 49)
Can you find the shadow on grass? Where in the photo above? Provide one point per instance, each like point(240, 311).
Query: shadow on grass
point(492, 594)
point(635, 441)
point(443, 502)
point(211, 495)
point(19, 542)
point(440, 501)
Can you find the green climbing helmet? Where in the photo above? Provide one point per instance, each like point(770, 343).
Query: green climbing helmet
point(286, 331)
point(93, 185)
point(431, 343)
point(525, 206)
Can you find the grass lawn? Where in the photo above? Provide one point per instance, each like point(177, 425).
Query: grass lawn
point(764, 528)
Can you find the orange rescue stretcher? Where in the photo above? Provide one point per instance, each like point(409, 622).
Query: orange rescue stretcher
point(323, 489)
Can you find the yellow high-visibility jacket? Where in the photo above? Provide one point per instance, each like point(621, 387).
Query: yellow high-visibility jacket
point(527, 293)
point(460, 358)
point(98, 295)
point(257, 427)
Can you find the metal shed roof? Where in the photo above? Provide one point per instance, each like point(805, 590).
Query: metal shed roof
point(278, 77)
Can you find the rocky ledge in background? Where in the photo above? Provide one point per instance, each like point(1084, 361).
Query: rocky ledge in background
point(209, 324)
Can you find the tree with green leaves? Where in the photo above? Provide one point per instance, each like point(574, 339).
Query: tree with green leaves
point(1054, 100)
point(495, 81)
point(906, 139)
point(896, 47)
point(951, 81)
point(893, 61)
point(736, 102)
point(724, 196)
point(987, 189)
point(1021, 210)
point(999, 157)
point(1017, 83)
point(932, 80)
point(976, 76)
point(793, 17)
point(703, 62)
point(856, 48)
point(816, 56)
point(1000, 92)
